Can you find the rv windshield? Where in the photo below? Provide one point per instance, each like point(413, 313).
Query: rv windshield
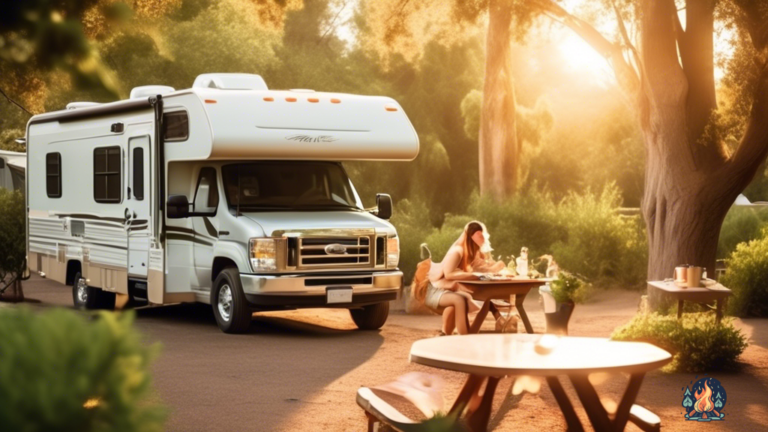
point(289, 186)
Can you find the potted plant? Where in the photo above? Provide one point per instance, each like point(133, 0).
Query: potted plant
point(559, 299)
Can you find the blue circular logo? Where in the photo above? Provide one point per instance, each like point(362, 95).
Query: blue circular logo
point(704, 400)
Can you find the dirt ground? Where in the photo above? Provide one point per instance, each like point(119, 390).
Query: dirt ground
point(300, 370)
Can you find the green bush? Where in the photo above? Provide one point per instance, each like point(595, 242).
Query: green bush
point(741, 225)
point(697, 343)
point(600, 244)
point(584, 232)
point(747, 277)
point(56, 363)
point(567, 288)
point(12, 237)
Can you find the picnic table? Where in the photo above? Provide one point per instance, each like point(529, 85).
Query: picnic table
point(713, 292)
point(488, 357)
point(487, 290)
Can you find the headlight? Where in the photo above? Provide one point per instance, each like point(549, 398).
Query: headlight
point(263, 254)
point(393, 252)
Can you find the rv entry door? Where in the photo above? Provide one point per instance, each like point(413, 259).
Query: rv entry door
point(137, 218)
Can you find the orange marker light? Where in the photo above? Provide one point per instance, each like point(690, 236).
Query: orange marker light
point(314, 100)
point(290, 99)
point(210, 101)
point(269, 99)
point(335, 101)
point(390, 108)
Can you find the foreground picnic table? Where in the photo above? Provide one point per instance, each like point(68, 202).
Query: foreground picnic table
point(488, 357)
point(487, 290)
point(715, 292)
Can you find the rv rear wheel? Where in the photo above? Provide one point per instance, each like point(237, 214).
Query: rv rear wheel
point(230, 307)
point(86, 297)
point(370, 317)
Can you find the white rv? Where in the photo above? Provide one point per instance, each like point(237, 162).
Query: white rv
point(12, 166)
point(226, 193)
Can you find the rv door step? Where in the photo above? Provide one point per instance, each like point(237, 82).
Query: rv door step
point(137, 289)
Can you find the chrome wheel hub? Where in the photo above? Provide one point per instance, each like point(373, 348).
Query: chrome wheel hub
point(82, 292)
point(225, 302)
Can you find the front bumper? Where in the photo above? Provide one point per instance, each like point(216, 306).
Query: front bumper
point(303, 291)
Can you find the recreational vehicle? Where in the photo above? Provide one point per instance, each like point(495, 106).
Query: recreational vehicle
point(227, 193)
point(12, 166)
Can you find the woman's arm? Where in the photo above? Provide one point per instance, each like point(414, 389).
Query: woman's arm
point(451, 268)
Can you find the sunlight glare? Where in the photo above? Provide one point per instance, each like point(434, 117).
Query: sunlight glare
point(579, 57)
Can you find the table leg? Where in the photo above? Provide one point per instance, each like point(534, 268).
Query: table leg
point(719, 311)
point(591, 402)
point(477, 420)
point(679, 309)
point(519, 305)
point(574, 425)
point(475, 327)
point(470, 388)
point(630, 394)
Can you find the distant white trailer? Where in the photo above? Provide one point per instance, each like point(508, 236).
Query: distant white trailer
point(226, 193)
point(12, 167)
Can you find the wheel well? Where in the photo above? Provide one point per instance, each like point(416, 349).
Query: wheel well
point(219, 264)
point(72, 268)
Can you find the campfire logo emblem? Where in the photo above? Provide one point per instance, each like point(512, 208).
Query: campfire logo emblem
point(704, 401)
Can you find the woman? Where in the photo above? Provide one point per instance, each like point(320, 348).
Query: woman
point(470, 253)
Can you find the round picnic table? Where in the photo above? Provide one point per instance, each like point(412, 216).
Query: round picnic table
point(488, 357)
point(487, 290)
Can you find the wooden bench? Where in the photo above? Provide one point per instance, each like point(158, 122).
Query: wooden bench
point(644, 419)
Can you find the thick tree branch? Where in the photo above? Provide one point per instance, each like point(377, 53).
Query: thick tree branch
point(753, 148)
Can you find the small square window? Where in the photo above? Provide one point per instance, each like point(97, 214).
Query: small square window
point(175, 126)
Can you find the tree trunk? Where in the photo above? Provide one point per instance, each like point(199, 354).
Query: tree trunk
point(499, 149)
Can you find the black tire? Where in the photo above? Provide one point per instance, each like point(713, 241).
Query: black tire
point(239, 319)
point(370, 317)
point(93, 298)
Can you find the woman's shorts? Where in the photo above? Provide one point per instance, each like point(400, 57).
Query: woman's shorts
point(432, 299)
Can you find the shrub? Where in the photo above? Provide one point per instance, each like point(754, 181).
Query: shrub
point(584, 233)
point(12, 238)
point(412, 223)
point(741, 224)
point(599, 243)
point(60, 370)
point(567, 288)
point(697, 343)
point(747, 277)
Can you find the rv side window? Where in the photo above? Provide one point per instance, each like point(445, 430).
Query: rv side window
point(175, 126)
point(138, 173)
point(53, 175)
point(106, 175)
point(207, 194)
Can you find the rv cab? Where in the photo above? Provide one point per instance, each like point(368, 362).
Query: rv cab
point(227, 193)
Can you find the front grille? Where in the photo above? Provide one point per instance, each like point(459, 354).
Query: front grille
point(313, 253)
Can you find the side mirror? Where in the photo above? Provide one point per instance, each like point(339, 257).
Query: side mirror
point(384, 204)
point(177, 207)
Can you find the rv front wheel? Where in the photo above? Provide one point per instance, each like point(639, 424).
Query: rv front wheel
point(230, 307)
point(370, 317)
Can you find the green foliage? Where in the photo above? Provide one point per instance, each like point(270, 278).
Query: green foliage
point(12, 237)
point(697, 343)
point(8, 140)
point(741, 224)
point(747, 277)
point(583, 231)
point(55, 361)
point(568, 288)
point(412, 221)
point(600, 244)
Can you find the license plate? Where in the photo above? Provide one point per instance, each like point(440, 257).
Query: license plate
point(339, 295)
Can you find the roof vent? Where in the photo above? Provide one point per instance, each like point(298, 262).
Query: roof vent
point(150, 90)
point(230, 81)
point(76, 105)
